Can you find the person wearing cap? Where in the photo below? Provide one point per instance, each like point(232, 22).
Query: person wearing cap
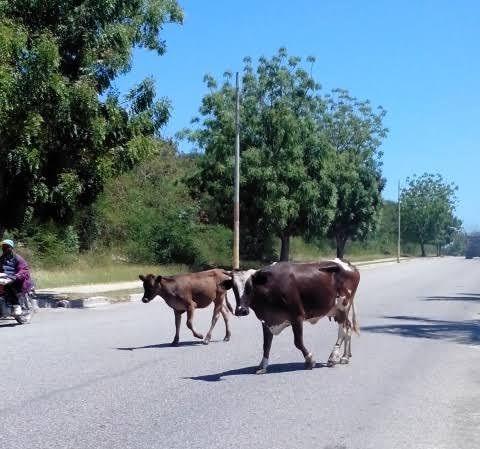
point(16, 269)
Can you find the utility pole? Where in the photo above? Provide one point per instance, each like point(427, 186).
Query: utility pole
point(236, 199)
point(398, 243)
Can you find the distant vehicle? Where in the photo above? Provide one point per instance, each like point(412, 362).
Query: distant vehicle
point(473, 246)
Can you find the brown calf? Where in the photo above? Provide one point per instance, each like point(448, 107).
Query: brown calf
point(187, 292)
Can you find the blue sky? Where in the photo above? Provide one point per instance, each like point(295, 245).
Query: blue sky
point(420, 60)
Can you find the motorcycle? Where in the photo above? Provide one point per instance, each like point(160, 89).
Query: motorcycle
point(26, 303)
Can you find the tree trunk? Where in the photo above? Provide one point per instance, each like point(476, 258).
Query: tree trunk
point(2, 231)
point(285, 249)
point(422, 246)
point(341, 242)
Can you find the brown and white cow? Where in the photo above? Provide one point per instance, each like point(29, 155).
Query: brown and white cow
point(287, 294)
point(188, 292)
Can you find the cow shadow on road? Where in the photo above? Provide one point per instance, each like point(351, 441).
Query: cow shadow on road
point(8, 324)
point(161, 346)
point(275, 368)
point(467, 297)
point(463, 332)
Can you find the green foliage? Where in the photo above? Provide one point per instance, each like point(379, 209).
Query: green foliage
point(355, 132)
point(285, 187)
point(150, 216)
point(59, 139)
point(52, 246)
point(428, 205)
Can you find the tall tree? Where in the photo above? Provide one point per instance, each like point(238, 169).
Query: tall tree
point(285, 182)
point(62, 132)
point(428, 210)
point(355, 131)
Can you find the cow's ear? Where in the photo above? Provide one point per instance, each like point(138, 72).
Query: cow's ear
point(158, 279)
point(141, 277)
point(260, 277)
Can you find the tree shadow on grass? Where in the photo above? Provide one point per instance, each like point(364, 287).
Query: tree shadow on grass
point(462, 332)
point(275, 368)
point(468, 297)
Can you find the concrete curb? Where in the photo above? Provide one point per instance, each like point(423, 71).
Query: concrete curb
point(89, 303)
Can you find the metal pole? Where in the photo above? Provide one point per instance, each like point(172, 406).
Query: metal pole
point(236, 199)
point(398, 243)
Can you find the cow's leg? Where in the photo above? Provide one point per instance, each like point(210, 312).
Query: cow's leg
point(216, 312)
point(347, 353)
point(267, 344)
point(335, 354)
point(190, 311)
point(297, 327)
point(224, 313)
point(178, 320)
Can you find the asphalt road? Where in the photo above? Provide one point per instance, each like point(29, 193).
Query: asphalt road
point(107, 378)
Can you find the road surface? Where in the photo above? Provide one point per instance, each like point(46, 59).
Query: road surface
point(107, 378)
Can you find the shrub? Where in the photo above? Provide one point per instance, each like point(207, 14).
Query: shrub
point(52, 246)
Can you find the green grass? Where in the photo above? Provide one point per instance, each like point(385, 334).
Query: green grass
point(95, 269)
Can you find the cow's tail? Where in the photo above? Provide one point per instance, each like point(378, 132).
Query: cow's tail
point(355, 325)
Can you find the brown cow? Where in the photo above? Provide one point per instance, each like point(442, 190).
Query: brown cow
point(187, 292)
point(287, 294)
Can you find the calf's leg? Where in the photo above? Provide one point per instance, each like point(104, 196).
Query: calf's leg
point(178, 320)
point(190, 312)
point(224, 313)
point(216, 311)
point(297, 327)
point(267, 344)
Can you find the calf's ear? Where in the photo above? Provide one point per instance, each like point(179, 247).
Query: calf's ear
point(141, 277)
point(227, 284)
point(158, 279)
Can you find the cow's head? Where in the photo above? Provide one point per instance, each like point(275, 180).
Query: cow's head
point(150, 286)
point(253, 286)
point(243, 301)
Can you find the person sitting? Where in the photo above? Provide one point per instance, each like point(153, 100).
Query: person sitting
point(16, 269)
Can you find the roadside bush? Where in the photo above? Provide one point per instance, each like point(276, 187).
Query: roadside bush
point(52, 246)
point(149, 216)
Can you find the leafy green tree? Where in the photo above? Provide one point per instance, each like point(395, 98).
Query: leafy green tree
point(355, 131)
point(428, 205)
point(148, 215)
point(62, 131)
point(285, 161)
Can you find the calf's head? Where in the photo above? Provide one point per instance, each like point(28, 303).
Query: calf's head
point(151, 284)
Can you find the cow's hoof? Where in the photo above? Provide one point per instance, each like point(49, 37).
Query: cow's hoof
point(261, 371)
point(344, 361)
point(174, 343)
point(199, 336)
point(330, 364)
point(227, 338)
point(206, 341)
point(310, 364)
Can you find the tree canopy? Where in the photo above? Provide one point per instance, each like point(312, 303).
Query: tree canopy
point(355, 131)
point(310, 163)
point(285, 186)
point(63, 131)
point(428, 205)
